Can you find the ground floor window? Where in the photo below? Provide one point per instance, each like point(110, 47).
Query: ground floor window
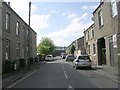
point(7, 49)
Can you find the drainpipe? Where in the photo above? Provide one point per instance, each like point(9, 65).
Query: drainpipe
point(29, 37)
point(1, 45)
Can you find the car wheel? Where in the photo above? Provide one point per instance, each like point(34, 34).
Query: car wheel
point(73, 66)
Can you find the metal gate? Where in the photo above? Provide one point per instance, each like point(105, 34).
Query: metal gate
point(111, 52)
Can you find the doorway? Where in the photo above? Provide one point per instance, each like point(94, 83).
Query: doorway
point(101, 51)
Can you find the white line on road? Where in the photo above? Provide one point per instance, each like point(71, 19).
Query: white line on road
point(22, 79)
point(63, 68)
point(65, 75)
point(70, 87)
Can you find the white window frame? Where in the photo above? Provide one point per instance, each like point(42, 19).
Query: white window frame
point(7, 22)
point(93, 33)
point(100, 17)
point(7, 49)
point(17, 28)
point(114, 8)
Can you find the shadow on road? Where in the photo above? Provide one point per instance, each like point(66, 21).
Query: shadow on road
point(85, 68)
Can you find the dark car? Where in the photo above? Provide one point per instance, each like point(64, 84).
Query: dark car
point(69, 57)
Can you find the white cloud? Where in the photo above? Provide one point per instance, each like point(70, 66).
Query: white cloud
point(74, 29)
point(64, 13)
point(38, 22)
point(71, 16)
point(85, 7)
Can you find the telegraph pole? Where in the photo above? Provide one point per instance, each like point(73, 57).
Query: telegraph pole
point(29, 37)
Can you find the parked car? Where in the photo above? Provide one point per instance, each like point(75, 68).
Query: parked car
point(49, 57)
point(69, 57)
point(82, 61)
point(63, 56)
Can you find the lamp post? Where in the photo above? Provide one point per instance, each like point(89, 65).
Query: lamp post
point(29, 37)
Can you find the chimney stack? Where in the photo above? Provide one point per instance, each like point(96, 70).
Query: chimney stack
point(8, 3)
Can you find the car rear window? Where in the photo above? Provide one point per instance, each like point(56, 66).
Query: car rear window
point(70, 56)
point(83, 57)
point(49, 56)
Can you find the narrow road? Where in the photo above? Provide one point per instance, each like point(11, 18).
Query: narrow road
point(61, 74)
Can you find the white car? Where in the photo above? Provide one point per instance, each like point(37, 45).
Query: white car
point(49, 57)
point(82, 61)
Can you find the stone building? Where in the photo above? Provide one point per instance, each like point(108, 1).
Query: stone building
point(0, 45)
point(15, 38)
point(118, 35)
point(106, 27)
point(90, 44)
point(79, 46)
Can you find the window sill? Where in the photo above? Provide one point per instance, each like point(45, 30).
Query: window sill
point(94, 54)
point(101, 26)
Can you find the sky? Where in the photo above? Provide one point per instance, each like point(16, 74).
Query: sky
point(61, 21)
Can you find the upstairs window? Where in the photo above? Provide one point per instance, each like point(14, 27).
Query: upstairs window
point(114, 8)
point(88, 35)
point(17, 28)
point(7, 22)
point(100, 18)
point(93, 35)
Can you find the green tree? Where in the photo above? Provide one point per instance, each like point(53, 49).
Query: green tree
point(46, 46)
point(72, 49)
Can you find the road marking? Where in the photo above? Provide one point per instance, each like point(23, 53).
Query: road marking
point(70, 87)
point(22, 79)
point(63, 68)
point(65, 75)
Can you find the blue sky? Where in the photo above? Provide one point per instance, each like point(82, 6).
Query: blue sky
point(63, 22)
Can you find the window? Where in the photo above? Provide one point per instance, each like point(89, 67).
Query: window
point(27, 51)
point(114, 7)
point(94, 49)
point(93, 33)
point(23, 32)
point(34, 40)
point(7, 22)
point(7, 49)
point(18, 50)
point(23, 51)
point(84, 57)
point(89, 49)
point(88, 35)
point(27, 32)
point(100, 18)
point(17, 28)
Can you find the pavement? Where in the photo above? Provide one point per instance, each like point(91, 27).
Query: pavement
point(13, 77)
point(111, 72)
